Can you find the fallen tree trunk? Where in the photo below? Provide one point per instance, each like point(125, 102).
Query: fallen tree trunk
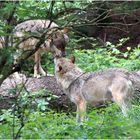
point(48, 83)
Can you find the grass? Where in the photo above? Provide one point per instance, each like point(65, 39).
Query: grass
point(105, 123)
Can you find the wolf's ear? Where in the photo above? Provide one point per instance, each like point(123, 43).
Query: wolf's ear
point(73, 59)
point(65, 30)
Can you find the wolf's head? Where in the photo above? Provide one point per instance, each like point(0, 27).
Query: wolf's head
point(66, 71)
point(58, 40)
point(64, 65)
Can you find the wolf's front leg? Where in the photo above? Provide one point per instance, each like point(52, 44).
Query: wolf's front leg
point(37, 65)
point(38, 70)
point(81, 111)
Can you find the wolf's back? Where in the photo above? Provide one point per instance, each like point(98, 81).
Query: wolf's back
point(134, 77)
point(34, 25)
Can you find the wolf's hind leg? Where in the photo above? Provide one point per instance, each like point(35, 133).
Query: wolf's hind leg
point(122, 95)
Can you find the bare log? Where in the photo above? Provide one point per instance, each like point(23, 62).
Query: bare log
point(31, 84)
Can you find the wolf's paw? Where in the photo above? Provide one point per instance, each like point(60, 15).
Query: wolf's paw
point(37, 75)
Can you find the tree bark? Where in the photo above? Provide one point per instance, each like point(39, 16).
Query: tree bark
point(48, 83)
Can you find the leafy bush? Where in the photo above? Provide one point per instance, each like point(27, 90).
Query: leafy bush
point(102, 123)
point(108, 57)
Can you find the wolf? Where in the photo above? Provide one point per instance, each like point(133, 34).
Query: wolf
point(93, 88)
point(55, 42)
point(24, 39)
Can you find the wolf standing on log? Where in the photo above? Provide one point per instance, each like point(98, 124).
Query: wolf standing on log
point(95, 88)
point(55, 42)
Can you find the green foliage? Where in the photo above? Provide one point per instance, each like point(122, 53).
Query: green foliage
point(48, 63)
point(108, 57)
point(103, 123)
point(26, 8)
point(31, 100)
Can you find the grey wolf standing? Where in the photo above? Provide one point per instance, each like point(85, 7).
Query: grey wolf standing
point(93, 88)
point(55, 42)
